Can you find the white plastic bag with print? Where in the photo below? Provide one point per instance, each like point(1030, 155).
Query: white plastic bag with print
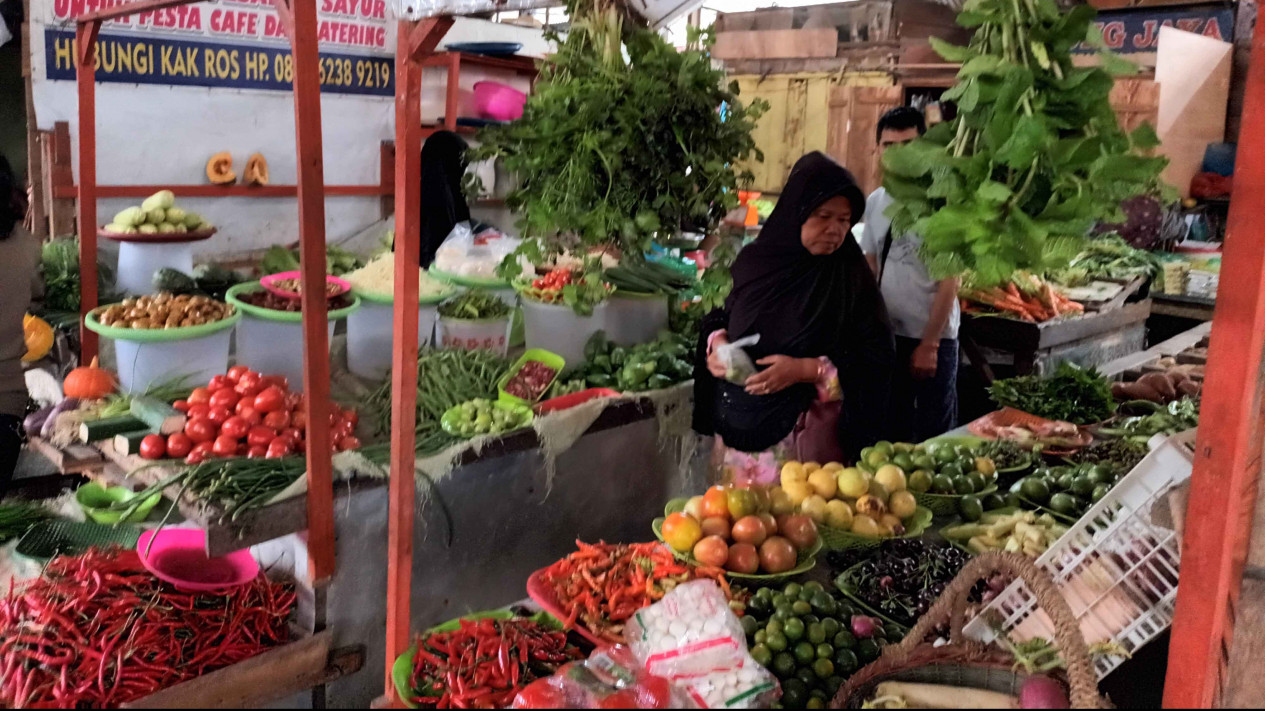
point(690, 633)
point(738, 365)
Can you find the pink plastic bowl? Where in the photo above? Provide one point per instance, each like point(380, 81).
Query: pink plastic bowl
point(496, 101)
point(178, 556)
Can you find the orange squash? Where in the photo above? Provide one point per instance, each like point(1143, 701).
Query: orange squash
point(219, 169)
point(256, 170)
point(88, 382)
point(38, 336)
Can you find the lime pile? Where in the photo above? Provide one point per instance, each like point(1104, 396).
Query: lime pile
point(812, 639)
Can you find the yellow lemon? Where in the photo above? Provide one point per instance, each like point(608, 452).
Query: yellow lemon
point(824, 484)
point(838, 514)
point(814, 507)
point(902, 504)
point(892, 525)
point(793, 471)
point(891, 477)
point(833, 467)
point(853, 482)
point(863, 525)
point(797, 491)
point(810, 467)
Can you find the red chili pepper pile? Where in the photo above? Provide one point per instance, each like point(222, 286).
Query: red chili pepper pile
point(98, 630)
point(484, 663)
point(603, 585)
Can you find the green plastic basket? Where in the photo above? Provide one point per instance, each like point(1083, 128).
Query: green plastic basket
point(52, 538)
point(842, 587)
point(837, 539)
point(402, 669)
point(158, 335)
point(275, 315)
point(805, 559)
point(540, 355)
point(947, 504)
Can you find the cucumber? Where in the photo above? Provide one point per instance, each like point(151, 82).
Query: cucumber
point(157, 415)
point(130, 442)
point(96, 430)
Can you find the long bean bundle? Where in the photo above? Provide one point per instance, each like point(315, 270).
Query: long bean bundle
point(237, 485)
point(15, 519)
point(444, 378)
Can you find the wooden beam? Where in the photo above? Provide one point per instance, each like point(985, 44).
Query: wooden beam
point(423, 36)
point(219, 191)
point(1228, 450)
point(130, 8)
point(85, 77)
point(316, 377)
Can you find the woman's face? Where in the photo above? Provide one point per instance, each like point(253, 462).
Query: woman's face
point(827, 227)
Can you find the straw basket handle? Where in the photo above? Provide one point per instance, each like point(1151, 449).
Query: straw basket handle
point(951, 607)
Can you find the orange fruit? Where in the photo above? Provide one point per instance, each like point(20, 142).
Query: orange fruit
point(716, 503)
point(681, 532)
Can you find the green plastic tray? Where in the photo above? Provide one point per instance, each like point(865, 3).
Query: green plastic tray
point(402, 669)
point(856, 599)
point(540, 355)
point(805, 559)
point(947, 504)
point(837, 539)
point(51, 538)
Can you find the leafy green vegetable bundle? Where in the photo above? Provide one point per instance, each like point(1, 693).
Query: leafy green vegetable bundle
point(1035, 156)
point(1073, 394)
point(1107, 258)
point(616, 150)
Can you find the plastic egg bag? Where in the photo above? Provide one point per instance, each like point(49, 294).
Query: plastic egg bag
point(692, 638)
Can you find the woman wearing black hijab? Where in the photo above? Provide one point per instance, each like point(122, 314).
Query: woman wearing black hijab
point(805, 288)
point(443, 202)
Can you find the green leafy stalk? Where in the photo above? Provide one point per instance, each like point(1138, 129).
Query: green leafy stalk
point(1035, 155)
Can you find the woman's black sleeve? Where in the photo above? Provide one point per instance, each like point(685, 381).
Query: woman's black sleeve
point(865, 357)
point(704, 382)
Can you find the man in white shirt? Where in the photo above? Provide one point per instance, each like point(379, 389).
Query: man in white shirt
point(924, 312)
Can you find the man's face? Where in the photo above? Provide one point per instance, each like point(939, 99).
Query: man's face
point(895, 137)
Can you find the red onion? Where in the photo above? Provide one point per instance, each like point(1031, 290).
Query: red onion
point(1042, 692)
point(863, 627)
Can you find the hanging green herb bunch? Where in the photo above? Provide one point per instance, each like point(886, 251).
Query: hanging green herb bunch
point(1035, 155)
point(622, 139)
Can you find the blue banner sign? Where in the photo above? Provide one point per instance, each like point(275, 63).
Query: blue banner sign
point(1138, 29)
point(143, 60)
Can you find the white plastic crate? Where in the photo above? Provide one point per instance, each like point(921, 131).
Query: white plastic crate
point(1116, 569)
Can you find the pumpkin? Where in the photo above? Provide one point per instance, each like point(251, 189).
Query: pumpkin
point(88, 382)
point(256, 170)
point(38, 336)
point(219, 169)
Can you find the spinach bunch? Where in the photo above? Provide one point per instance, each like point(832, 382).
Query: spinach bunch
point(615, 151)
point(1073, 394)
point(1035, 155)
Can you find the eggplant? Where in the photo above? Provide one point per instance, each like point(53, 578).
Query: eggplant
point(66, 405)
point(35, 421)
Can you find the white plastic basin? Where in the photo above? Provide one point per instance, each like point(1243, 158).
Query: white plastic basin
point(559, 329)
point(636, 318)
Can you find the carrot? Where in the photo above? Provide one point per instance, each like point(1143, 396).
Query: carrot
point(1013, 290)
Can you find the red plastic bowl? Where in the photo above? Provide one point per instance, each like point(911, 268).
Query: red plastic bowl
point(497, 101)
point(565, 402)
point(178, 556)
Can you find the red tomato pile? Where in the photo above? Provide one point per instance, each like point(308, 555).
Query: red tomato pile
point(243, 413)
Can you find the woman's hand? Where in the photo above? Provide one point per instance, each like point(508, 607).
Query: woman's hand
point(783, 372)
point(714, 365)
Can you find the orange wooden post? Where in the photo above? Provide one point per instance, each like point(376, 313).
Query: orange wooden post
point(413, 41)
point(85, 74)
point(301, 21)
point(1228, 450)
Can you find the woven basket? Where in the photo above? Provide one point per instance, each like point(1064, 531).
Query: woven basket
point(966, 663)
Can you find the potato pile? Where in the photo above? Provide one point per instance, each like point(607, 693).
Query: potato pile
point(163, 310)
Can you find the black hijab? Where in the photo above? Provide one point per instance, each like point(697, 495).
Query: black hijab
point(804, 306)
point(442, 200)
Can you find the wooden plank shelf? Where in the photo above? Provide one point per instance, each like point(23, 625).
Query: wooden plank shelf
point(290, 515)
point(263, 679)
